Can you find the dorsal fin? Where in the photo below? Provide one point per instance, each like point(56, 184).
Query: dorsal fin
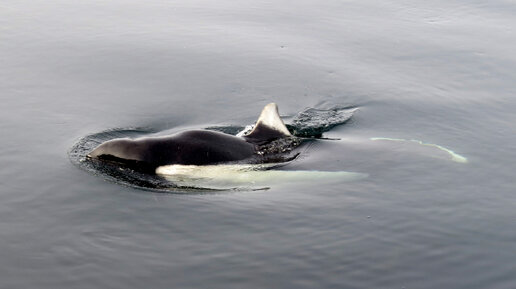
point(268, 126)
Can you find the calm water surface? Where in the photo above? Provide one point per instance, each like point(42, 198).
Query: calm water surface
point(442, 72)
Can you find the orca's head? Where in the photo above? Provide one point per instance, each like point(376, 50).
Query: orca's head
point(118, 149)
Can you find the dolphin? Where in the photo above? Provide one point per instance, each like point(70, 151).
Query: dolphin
point(269, 142)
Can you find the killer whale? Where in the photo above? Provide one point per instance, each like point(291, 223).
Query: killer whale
point(269, 142)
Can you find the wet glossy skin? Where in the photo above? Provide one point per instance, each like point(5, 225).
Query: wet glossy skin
point(196, 147)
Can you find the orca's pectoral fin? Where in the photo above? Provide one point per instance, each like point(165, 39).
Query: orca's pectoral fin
point(269, 126)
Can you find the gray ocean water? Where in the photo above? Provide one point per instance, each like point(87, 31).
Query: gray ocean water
point(441, 72)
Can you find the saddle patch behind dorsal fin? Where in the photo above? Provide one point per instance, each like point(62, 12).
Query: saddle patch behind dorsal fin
point(269, 126)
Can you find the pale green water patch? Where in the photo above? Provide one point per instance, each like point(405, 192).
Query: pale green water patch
point(454, 156)
point(247, 176)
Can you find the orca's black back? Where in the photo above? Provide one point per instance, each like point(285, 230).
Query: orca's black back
point(196, 147)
